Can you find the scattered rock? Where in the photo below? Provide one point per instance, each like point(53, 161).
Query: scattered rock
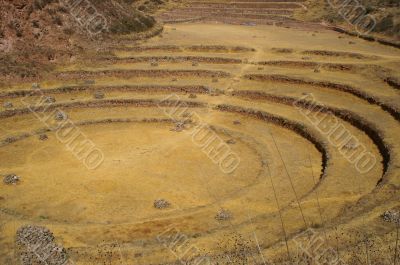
point(10, 139)
point(223, 215)
point(8, 105)
point(192, 96)
point(35, 86)
point(351, 145)
point(161, 204)
point(186, 115)
point(352, 42)
point(43, 137)
point(49, 99)
point(98, 95)
point(179, 126)
point(231, 141)
point(36, 245)
point(154, 63)
point(60, 116)
point(236, 122)
point(282, 50)
point(391, 216)
point(11, 179)
point(89, 82)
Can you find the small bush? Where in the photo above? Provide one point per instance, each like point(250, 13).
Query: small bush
point(62, 9)
point(132, 24)
point(369, 9)
point(19, 33)
point(57, 20)
point(68, 31)
point(40, 4)
point(35, 24)
point(384, 24)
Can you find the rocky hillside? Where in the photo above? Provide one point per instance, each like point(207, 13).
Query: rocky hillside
point(36, 33)
point(385, 12)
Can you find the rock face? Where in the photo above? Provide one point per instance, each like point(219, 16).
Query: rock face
point(161, 204)
point(36, 246)
point(11, 179)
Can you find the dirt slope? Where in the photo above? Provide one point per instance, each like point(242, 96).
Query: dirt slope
point(35, 33)
point(385, 12)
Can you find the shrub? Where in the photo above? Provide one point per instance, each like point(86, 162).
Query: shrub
point(68, 31)
point(40, 4)
point(132, 24)
point(57, 20)
point(384, 24)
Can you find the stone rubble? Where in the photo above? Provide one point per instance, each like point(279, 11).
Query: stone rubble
point(223, 215)
point(391, 216)
point(49, 99)
point(37, 246)
point(8, 105)
point(99, 95)
point(43, 137)
point(179, 126)
point(60, 116)
point(161, 204)
point(11, 179)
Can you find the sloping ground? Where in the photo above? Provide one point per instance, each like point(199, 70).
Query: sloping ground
point(283, 101)
point(36, 34)
point(386, 14)
point(249, 12)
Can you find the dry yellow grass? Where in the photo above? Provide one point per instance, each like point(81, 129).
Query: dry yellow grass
point(106, 215)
